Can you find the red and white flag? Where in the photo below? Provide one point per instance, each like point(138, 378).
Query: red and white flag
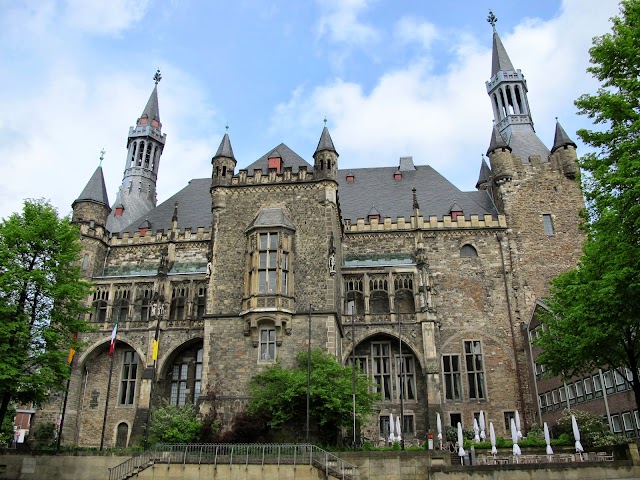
point(113, 339)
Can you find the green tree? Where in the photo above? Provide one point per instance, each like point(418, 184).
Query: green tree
point(281, 393)
point(41, 295)
point(172, 424)
point(594, 317)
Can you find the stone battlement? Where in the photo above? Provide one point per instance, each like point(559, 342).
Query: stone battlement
point(141, 237)
point(258, 177)
point(432, 222)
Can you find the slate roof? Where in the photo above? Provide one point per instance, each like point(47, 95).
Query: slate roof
point(499, 60)
point(497, 141)
point(524, 143)
point(289, 159)
point(95, 190)
point(376, 187)
point(325, 142)
point(194, 209)
point(151, 109)
point(485, 173)
point(271, 217)
point(225, 150)
point(561, 138)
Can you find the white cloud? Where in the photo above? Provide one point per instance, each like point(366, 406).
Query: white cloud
point(339, 21)
point(104, 16)
point(410, 29)
point(444, 120)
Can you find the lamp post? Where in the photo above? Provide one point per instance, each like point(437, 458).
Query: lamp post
point(353, 364)
point(403, 381)
point(157, 311)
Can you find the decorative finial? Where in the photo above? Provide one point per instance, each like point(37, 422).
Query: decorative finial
point(157, 77)
point(492, 19)
point(325, 121)
point(226, 127)
point(556, 119)
point(102, 152)
point(415, 198)
point(174, 218)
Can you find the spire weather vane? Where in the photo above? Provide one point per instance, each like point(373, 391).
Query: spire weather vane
point(492, 19)
point(102, 152)
point(157, 77)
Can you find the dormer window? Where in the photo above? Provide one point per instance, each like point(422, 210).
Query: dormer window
point(155, 123)
point(454, 215)
point(143, 121)
point(374, 217)
point(397, 176)
point(455, 211)
point(351, 178)
point(119, 211)
point(275, 162)
point(143, 231)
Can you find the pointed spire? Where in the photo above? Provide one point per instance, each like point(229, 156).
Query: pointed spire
point(500, 60)
point(485, 173)
point(174, 218)
point(496, 141)
point(561, 139)
point(225, 150)
point(151, 110)
point(325, 142)
point(95, 190)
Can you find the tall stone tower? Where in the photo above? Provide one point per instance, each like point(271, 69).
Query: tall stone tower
point(137, 194)
point(90, 212)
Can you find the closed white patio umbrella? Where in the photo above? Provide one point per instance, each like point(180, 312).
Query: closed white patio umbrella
point(392, 437)
point(461, 452)
point(576, 434)
point(483, 426)
point(398, 431)
point(476, 431)
point(439, 427)
point(547, 439)
point(492, 436)
point(514, 439)
point(518, 430)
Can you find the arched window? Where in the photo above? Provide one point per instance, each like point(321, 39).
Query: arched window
point(99, 305)
point(468, 251)
point(145, 304)
point(178, 302)
point(122, 435)
point(185, 376)
point(147, 156)
point(140, 153)
point(120, 311)
point(379, 297)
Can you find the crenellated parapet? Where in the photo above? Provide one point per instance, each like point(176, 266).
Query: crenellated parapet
point(145, 237)
point(259, 178)
point(432, 222)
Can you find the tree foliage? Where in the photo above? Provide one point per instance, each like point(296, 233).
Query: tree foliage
point(281, 393)
point(41, 295)
point(173, 424)
point(593, 433)
point(594, 317)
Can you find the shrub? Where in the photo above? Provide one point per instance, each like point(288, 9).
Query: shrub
point(171, 424)
point(593, 433)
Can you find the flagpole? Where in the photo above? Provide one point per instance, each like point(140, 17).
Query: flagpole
point(106, 407)
point(159, 313)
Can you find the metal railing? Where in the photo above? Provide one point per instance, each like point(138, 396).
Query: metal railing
point(237, 454)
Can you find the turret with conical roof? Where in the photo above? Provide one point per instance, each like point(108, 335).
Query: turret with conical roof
point(223, 162)
point(325, 165)
point(564, 152)
point(484, 178)
point(90, 212)
point(145, 143)
point(500, 157)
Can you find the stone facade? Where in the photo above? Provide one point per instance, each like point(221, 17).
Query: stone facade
point(431, 284)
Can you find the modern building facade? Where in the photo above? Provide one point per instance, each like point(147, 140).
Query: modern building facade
point(426, 286)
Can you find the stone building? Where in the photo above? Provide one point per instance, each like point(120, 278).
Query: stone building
point(395, 260)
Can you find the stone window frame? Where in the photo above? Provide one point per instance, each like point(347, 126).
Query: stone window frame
point(476, 373)
point(99, 304)
point(179, 301)
point(284, 257)
point(548, 224)
point(187, 383)
point(128, 378)
point(381, 387)
point(468, 251)
point(267, 327)
point(121, 303)
point(409, 376)
point(454, 375)
point(144, 295)
point(508, 415)
point(178, 384)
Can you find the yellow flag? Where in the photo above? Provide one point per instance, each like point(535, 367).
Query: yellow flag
point(154, 353)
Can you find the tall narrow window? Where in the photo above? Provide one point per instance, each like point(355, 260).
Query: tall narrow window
point(179, 384)
point(284, 280)
point(451, 370)
point(548, 224)
point(508, 416)
point(99, 306)
point(128, 381)
point(268, 263)
point(201, 302)
point(145, 305)
point(267, 343)
point(381, 360)
point(475, 369)
point(178, 301)
point(197, 385)
point(406, 376)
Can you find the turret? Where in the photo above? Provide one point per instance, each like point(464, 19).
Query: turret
point(564, 152)
point(484, 178)
point(90, 212)
point(223, 162)
point(499, 153)
point(325, 165)
point(145, 143)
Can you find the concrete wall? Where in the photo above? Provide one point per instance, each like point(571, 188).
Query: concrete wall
point(57, 467)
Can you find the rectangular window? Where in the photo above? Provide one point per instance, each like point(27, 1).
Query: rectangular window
point(145, 305)
point(197, 386)
point(588, 388)
point(406, 373)
point(179, 384)
point(616, 424)
point(362, 365)
point(620, 382)
point(201, 302)
point(554, 395)
point(451, 371)
point(548, 400)
point(539, 369)
point(563, 395)
point(284, 274)
point(268, 344)
point(475, 368)
point(579, 386)
point(627, 423)
point(381, 364)
point(597, 386)
point(548, 224)
point(507, 420)
point(608, 382)
point(542, 402)
point(407, 425)
point(454, 418)
point(384, 427)
point(636, 417)
point(128, 379)
point(85, 262)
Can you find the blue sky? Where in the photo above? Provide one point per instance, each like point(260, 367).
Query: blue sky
point(393, 78)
